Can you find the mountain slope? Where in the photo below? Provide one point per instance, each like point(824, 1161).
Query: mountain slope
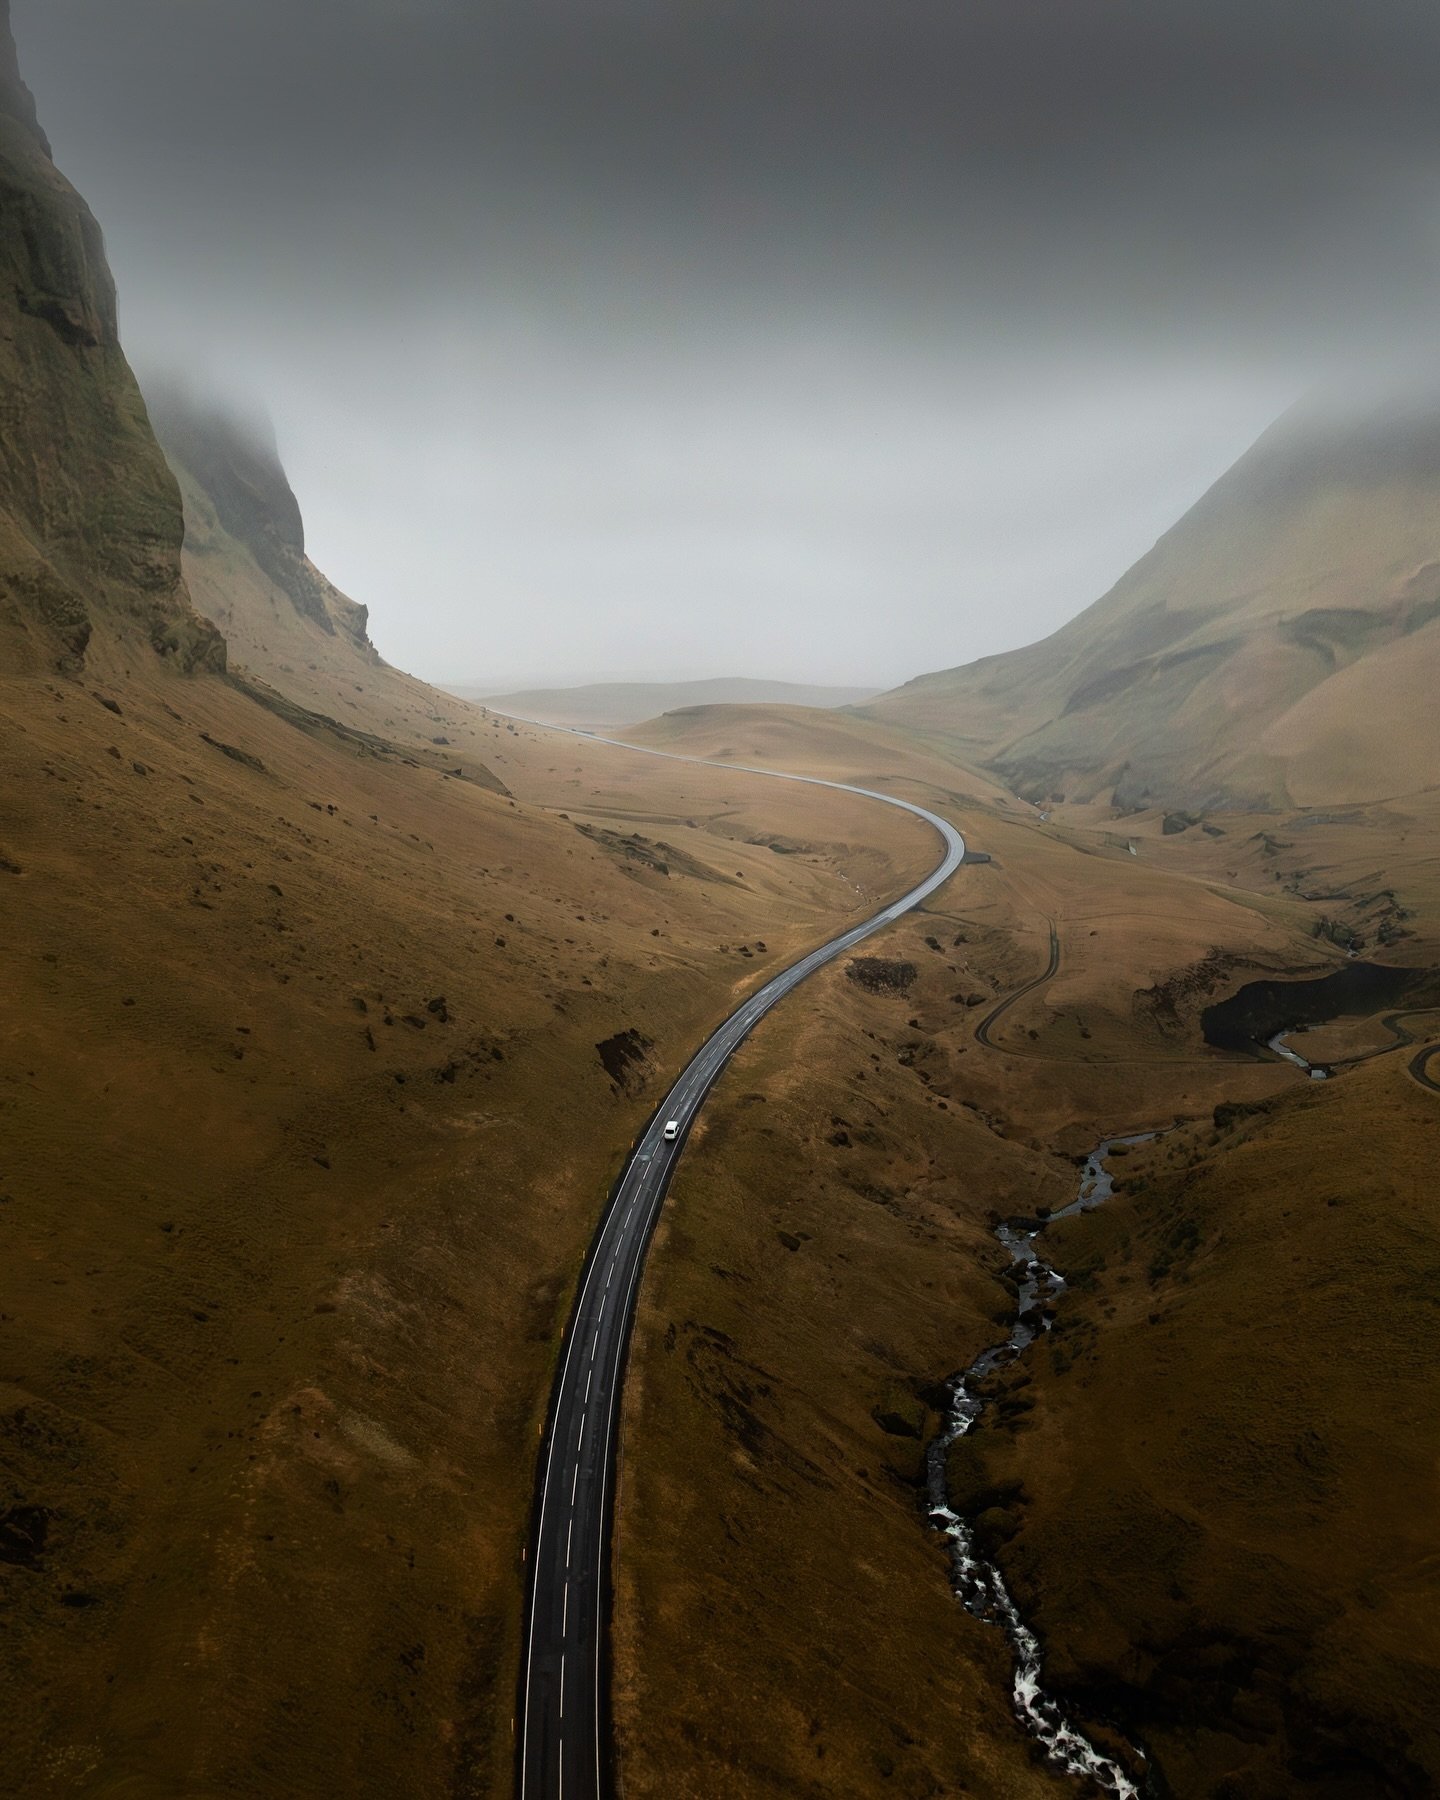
point(1276, 647)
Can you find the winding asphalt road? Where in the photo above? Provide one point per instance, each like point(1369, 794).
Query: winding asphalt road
point(996, 1013)
point(563, 1744)
point(1419, 1068)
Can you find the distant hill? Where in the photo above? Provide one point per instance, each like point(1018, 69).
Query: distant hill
point(1279, 645)
point(602, 705)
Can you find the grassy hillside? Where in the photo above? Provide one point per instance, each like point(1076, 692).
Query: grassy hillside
point(1277, 647)
point(308, 1123)
point(1218, 1498)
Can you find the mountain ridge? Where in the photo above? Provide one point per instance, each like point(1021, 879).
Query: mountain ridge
point(1271, 649)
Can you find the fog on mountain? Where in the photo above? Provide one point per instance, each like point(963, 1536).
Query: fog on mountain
point(582, 321)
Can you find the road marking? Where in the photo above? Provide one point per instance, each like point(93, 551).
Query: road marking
point(570, 1532)
point(650, 1181)
point(562, 1684)
point(565, 1612)
point(589, 1377)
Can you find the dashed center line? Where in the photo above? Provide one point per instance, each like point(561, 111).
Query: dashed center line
point(621, 1247)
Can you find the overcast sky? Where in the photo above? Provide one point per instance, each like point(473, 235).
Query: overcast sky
point(821, 339)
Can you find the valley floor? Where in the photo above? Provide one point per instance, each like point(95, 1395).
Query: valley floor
point(310, 1109)
point(1183, 1481)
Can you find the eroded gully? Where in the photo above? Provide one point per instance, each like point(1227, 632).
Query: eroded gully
point(978, 1583)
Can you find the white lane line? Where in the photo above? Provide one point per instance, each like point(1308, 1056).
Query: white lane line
point(569, 1534)
point(762, 1001)
point(550, 1456)
point(610, 1277)
point(562, 1684)
point(589, 1377)
point(565, 1612)
point(606, 1439)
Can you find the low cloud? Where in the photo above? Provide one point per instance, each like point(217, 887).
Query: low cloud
point(749, 338)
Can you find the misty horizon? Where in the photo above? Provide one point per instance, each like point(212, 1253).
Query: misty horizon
point(605, 344)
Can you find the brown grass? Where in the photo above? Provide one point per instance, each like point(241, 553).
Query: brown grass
point(1227, 1529)
point(784, 1623)
point(281, 1306)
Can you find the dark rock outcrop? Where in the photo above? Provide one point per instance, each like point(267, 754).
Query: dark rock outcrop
point(624, 1058)
point(881, 975)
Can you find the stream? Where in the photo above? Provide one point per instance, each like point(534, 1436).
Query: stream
point(978, 1583)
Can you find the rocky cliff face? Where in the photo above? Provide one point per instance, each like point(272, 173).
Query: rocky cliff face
point(234, 470)
point(90, 519)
